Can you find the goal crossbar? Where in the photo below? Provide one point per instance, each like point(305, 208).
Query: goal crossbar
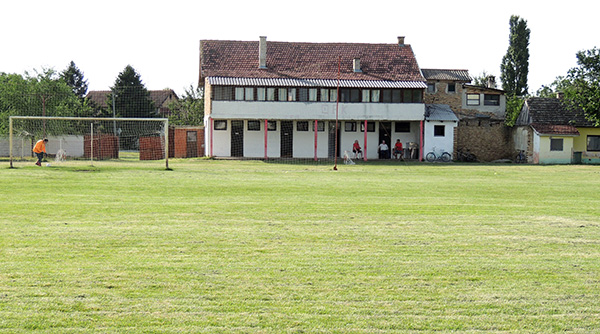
point(124, 119)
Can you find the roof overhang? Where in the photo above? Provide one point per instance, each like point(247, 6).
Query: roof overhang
point(555, 130)
point(281, 82)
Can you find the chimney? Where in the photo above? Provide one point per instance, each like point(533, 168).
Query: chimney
point(356, 65)
point(262, 52)
point(401, 40)
point(560, 95)
point(491, 81)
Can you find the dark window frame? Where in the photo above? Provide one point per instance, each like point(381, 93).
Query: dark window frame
point(301, 126)
point(439, 130)
point(253, 125)
point(220, 125)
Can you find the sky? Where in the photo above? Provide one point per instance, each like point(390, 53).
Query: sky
point(161, 39)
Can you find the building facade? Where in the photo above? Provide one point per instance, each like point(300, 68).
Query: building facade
point(280, 99)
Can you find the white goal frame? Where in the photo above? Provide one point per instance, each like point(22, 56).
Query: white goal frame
point(163, 120)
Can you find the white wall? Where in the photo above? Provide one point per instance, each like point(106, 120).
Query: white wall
point(441, 144)
point(317, 110)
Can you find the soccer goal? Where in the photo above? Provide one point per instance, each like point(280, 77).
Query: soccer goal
point(89, 138)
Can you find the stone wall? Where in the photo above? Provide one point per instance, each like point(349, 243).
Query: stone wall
point(441, 95)
point(487, 139)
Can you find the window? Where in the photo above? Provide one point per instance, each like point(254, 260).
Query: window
point(221, 93)
point(402, 127)
point(324, 95)
point(386, 96)
point(451, 87)
point(320, 126)
point(431, 87)
point(350, 126)
point(370, 127)
point(375, 94)
point(491, 100)
point(366, 95)
point(249, 93)
point(439, 130)
point(220, 125)
point(253, 125)
point(593, 143)
point(417, 96)
point(472, 99)
point(291, 94)
point(239, 93)
point(333, 95)
point(396, 96)
point(261, 93)
point(303, 94)
point(312, 94)
point(282, 94)
point(270, 94)
point(556, 144)
point(302, 126)
point(271, 125)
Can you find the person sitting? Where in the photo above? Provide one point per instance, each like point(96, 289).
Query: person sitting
point(384, 150)
point(356, 150)
point(398, 151)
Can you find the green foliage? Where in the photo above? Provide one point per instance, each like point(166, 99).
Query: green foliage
point(131, 98)
point(581, 87)
point(515, 64)
point(189, 109)
point(246, 247)
point(514, 104)
point(481, 80)
point(74, 78)
point(41, 94)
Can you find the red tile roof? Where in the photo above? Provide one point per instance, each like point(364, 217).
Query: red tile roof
point(550, 129)
point(240, 59)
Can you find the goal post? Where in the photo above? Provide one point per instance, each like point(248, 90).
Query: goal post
point(91, 138)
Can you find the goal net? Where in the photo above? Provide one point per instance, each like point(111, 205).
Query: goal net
point(89, 138)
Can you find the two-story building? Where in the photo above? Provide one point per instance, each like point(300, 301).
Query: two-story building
point(268, 99)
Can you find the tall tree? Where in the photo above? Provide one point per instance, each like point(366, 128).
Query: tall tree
point(581, 87)
point(515, 64)
point(189, 109)
point(74, 78)
point(130, 96)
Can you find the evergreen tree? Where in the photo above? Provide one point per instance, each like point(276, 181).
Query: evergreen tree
point(515, 64)
point(74, 78)
point(130, 96)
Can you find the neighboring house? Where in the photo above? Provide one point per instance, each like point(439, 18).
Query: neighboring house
point(438, 130)
point(161, 99)
point(481, 111)
point(550, 133)
point(278, 99)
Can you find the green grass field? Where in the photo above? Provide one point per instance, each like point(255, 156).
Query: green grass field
point(252, 247)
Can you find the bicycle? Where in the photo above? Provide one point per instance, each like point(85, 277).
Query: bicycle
point(521, 158)
point(432, 156)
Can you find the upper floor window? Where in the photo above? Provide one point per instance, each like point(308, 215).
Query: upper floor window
point(491, 100)
point(452, 87)
point(431, 87)
point(472, 99)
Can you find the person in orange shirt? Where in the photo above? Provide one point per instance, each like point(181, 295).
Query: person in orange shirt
point(39, 149)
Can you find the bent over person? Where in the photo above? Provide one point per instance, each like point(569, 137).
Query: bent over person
point(39, 149)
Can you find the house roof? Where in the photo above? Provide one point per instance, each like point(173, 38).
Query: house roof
point(439, 112)
point(99, 97)
point(449, 75)
point(550, 111)
point(318, 61)
point(551, 129)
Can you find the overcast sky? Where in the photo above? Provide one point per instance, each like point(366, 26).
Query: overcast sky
point(160, 39)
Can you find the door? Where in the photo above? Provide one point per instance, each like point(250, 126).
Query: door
point(192, 144)
point(237, 138)
point(385, 133)
point(287, 139)
point(332, 140)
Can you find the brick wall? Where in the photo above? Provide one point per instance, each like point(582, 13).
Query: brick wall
point(151, 148)
point(180, 144)
point(454, 100)
point(487, 139)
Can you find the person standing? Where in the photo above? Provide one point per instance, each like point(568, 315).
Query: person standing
point(40, 149)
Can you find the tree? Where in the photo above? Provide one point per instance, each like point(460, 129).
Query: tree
point(74, 78)
point(515, 64)
point(581, 87)
point(130, 96)
point(188, 110)
point(482, 79)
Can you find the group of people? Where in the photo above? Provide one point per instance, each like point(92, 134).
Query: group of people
point(383, 150)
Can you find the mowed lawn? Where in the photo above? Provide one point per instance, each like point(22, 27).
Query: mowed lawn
point(253, 247)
